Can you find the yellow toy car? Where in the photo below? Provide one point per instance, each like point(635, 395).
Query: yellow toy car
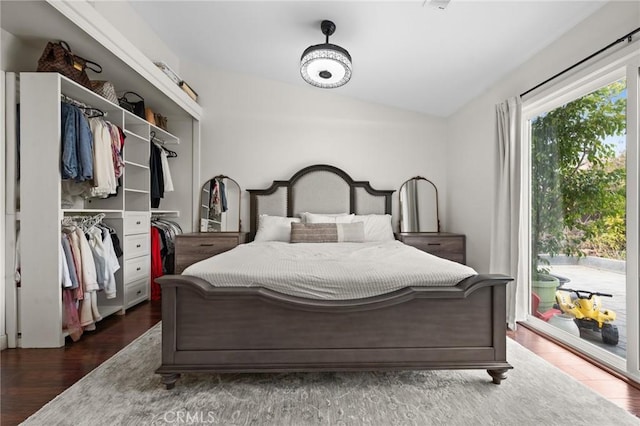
point(586, 309)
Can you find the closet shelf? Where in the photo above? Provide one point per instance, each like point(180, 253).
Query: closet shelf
point(131, 163)
point(132, 119)
point(109, 214)
point(135, 136)
point(138, 191)
point(82, 94)
point(165, 213)
point(163, 136)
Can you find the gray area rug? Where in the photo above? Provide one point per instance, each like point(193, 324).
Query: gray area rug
point(125, 391)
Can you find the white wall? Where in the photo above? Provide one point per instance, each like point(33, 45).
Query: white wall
point(127, 20)
point(256, 130)
point(472, 135)
point(17, 55)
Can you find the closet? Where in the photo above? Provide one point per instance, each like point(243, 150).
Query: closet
point(38, 212)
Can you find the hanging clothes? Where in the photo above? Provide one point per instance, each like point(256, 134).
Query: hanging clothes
point(77, 144)
point(104, 178)
point(223, 195)
point(215, 204)
point(156, 264)
point(92, 160)
point(163, 235)
point(88, 264)
point(157, 177)
point(166, 171)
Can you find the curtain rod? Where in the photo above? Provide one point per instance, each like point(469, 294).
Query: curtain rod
point(628, 37)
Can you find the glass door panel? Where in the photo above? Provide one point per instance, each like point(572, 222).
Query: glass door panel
point(578, 217)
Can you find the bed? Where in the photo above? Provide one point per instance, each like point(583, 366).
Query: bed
point(232, 329)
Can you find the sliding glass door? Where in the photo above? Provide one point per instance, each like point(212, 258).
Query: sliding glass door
point(583, 202)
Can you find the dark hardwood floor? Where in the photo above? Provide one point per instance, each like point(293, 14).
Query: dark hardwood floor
point(32, 377)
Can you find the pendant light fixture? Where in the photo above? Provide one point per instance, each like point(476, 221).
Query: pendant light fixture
point(326, 65)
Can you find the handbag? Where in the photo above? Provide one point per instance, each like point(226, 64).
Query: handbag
point(58, 57)
point(161, 121)
point(135, 107)
point(105, 89)
point(149, 116)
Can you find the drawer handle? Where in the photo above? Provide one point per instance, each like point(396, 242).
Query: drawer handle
point(138, 245)
point(138, 268)
point(433, 244)
point(207, 245)
point(138, 223)
point(139, 292)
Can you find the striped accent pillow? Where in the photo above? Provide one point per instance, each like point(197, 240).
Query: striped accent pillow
point(327, 232)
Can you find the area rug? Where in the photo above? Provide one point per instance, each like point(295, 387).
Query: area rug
point(125, 391)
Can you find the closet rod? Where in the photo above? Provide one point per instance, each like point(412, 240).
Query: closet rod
point(628, 37)
point(82, 105)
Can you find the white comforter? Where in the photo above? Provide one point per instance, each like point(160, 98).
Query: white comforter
point(328, 270)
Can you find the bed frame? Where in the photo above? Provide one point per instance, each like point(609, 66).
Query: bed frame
point(224, 330)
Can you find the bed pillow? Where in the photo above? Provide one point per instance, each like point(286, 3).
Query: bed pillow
point(274, 228)
point(327, 218)
point(377, 227)
point(327, 232)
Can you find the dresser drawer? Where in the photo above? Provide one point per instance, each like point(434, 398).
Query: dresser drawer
point(136, 292)
point(192, 248)
point(136, 269)
point(451, 246)
point(136, 245)
point(136, 223)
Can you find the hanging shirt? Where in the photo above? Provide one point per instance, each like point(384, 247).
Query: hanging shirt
point(104, 180)
point(157, 177)
point(166, 173)
point(77, 144)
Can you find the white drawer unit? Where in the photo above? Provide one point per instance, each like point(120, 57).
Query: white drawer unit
point(136, 223)
point(136, 245)
point(136, 292)
point(136, 269)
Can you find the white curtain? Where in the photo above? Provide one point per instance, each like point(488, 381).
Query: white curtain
point(509, 237)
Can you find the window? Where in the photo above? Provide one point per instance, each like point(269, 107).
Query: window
point(582, 181)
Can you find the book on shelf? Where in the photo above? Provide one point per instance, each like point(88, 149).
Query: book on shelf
point(188, 90)
point(168, 72)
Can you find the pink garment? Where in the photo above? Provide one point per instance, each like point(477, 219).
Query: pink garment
point(70, 320)
point(77, 261)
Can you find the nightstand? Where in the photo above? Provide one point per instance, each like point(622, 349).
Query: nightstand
point(197, 246)
point(442, 244)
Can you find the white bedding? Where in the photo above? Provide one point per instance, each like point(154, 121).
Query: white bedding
point(328, 270)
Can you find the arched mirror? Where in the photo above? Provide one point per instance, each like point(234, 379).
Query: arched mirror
point(220, 205)
point(419, 206)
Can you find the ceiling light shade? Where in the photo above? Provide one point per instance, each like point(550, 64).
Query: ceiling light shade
point(326, 65)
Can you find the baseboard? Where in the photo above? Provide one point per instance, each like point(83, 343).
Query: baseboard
point(3, 342)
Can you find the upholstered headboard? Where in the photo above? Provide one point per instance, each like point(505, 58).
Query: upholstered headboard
point(318, 189)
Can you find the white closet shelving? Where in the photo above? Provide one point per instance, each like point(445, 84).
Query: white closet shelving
point(41, 211)
point(34, 310)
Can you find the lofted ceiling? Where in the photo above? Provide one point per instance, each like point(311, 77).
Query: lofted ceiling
point(406, 54)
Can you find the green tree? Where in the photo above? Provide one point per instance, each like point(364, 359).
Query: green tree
point(578, 186)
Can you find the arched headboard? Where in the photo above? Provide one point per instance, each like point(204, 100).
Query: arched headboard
point(317, 189)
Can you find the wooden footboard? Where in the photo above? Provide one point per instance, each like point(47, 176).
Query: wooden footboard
point(209, 329)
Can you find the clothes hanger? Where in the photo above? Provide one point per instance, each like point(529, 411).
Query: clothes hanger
point(160, 142)
point(170, 154)
point(89, 110)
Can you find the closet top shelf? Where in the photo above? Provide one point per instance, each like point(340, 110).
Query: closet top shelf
point(140, 127)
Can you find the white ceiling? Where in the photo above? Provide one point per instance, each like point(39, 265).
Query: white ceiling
point(405, 54)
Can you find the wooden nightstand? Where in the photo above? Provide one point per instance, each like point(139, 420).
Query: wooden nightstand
point(441, 244)
point(194, 247)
